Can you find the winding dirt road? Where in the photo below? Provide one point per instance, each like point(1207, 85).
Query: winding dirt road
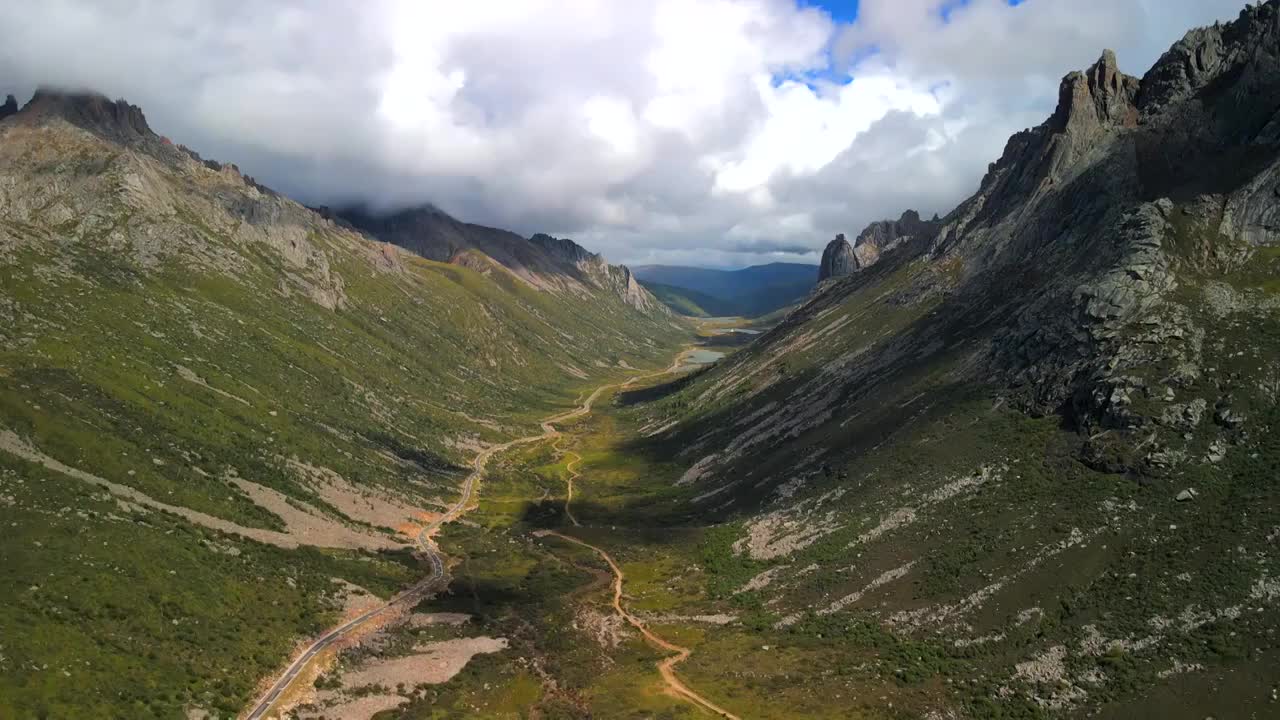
point(427, 545)
point(666, 666)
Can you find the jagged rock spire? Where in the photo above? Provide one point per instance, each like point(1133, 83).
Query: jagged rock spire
point(837, 260)
point(1098, 97)
point(10, 107)
point(116, 120)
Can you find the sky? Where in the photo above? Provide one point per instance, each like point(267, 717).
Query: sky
point(720, 133)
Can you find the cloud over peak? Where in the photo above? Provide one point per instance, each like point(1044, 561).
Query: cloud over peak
point(724, 132)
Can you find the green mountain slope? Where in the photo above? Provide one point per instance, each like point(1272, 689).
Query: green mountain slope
point(1026, 466)
point(218, 408)
point(691, 302)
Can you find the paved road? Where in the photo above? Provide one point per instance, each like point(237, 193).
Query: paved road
point(427, 546)
point(412, 595)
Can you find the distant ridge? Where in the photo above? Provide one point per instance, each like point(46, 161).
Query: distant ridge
point(750, 292)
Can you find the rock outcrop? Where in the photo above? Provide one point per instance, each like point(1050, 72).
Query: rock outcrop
point(115, 120)
point(838, 260)
point(595, 270)
point(566, 250)
point(884, 235)
point(10, 107)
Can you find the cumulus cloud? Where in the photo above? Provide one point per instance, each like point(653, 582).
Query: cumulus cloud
point(724, 132)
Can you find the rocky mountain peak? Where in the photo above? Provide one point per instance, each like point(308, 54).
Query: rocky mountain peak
point(564, 249)
point(1101, 96)
point(837, 259)
point(10, 107)
point(116, 120)
point(1206, 54)
point(884, 235)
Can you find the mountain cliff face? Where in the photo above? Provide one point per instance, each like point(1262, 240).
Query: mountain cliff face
point(1036, 435)
point(248, 407)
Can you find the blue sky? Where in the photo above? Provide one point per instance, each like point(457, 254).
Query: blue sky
point(846, 11)
point(840, 10)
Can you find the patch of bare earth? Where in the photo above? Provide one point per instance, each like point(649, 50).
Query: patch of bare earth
point(717, 619)
point(306, 526)
point(374, 507)
point(419, 620)
point(607, 629)
point(302, 694)
point(781, 532)
point(431, 664)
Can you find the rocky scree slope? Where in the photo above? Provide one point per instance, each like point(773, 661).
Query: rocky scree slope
point(220, 410)
point(1039, 436)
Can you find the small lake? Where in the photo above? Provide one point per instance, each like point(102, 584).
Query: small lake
point(702, 357)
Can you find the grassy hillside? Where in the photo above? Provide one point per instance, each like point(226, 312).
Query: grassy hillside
point(215, 405)
point(691, 302)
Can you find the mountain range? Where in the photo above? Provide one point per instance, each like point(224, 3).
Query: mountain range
point(748, 292)
point(221, 410)
point(1015, 461)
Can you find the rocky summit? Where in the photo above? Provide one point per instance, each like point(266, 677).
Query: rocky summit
point(1017, 460)
point(838, 260)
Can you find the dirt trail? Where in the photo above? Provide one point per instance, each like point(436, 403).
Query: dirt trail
point(666, 666)
point(427, 545)
point(575, 458)
point(585, 408)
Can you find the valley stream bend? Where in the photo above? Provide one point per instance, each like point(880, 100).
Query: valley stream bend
point(437, 578)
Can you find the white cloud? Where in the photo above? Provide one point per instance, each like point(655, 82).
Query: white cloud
point(804, 129)
point(720, 131)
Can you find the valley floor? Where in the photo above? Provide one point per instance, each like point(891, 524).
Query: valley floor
point(621, 602)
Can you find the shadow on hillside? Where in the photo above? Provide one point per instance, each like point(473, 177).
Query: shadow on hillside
point(427, 461)
point(657, 392)
point(919, 374)
point(638, 515)
point(962, 352)
point(485, 600)
point(729, 340)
